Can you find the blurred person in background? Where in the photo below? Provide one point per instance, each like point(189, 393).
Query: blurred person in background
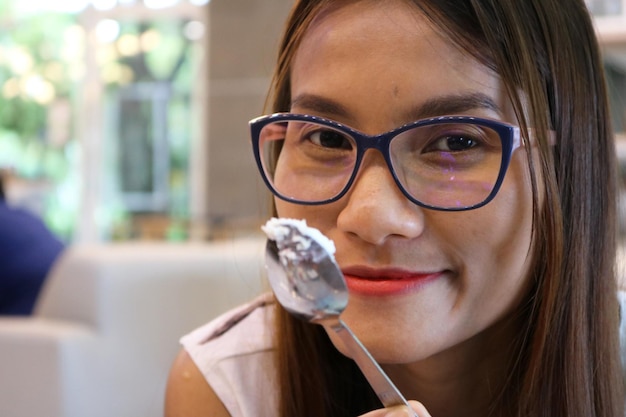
point(28, 249)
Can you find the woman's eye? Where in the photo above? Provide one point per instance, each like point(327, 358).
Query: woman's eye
point(330, 139)
point(454, 143)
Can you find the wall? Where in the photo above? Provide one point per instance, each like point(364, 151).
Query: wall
point(244, 36)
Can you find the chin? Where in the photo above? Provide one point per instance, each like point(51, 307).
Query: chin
point(402, 352)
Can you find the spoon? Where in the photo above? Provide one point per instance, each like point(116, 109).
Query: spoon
point(308, 283)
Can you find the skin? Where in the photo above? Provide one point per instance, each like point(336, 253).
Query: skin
point(188, 394)
point(400, 411)
point(375, 66)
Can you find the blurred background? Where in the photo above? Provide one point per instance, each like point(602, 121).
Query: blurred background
point(127, 119)
point(610, 22)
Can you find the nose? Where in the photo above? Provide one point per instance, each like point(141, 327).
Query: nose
point(375, 208)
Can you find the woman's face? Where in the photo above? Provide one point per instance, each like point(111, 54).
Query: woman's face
point(422, 282)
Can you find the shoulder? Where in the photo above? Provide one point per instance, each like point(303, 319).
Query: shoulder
point(188, 394)
point(20, 228)
point(233, 356)
point(245, 329)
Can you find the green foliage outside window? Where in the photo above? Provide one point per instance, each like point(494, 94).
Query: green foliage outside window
point(42, 69)
point(40, 62)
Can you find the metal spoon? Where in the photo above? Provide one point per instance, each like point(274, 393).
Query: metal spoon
point(308, 283)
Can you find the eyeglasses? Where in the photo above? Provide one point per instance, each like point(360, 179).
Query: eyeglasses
point(449, 163)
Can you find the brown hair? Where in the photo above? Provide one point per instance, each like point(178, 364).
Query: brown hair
point(568, 353)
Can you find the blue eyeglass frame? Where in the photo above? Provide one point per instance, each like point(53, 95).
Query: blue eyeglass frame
point(509, 136)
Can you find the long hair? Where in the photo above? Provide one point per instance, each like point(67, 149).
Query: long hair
point(567, 354)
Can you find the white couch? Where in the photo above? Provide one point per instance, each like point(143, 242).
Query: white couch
point(106, 327)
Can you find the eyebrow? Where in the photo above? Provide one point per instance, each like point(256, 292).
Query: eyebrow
point(438, 106)
point(319, 104)
point(455, 104)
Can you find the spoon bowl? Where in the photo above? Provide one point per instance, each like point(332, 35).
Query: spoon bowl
point(309, 284)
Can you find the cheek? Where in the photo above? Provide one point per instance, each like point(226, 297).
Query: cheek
point(284, 209)
point(322, 217)
point(503, 237)
point(290, 210)
point(516, 200)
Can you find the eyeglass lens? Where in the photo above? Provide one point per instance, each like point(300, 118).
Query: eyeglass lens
point(446, 165)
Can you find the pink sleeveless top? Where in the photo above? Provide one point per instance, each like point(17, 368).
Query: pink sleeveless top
point(235, 353)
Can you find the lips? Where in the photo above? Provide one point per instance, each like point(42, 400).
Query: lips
point(387, 282)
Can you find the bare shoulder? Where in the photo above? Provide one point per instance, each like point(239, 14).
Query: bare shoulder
point(188, 394)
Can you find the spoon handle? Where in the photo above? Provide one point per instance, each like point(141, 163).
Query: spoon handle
point(386, 391)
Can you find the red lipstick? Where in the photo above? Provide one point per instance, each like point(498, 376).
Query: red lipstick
point(386, 282)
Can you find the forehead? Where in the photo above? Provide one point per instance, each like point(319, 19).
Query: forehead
point(385, 56)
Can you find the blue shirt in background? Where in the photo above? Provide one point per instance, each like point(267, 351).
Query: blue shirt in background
point(27, 251)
